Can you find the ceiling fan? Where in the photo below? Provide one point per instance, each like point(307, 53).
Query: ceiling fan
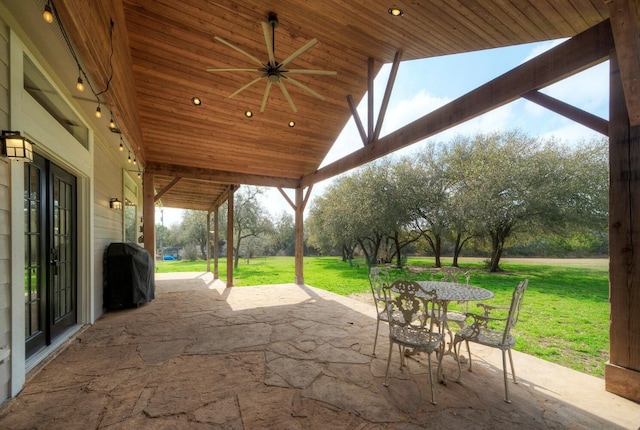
point(276, 73)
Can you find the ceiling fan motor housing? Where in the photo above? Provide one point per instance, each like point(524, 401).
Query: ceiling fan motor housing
point(273, 20)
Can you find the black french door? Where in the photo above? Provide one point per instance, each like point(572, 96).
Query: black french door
point(50, 252)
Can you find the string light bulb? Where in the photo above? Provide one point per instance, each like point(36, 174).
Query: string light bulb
point(47, 15)
point(121, 147)
point(135, 160)
point(129, 159)
point(98, 111)
point(139, 174)
point(112, 124)
point(80, 84)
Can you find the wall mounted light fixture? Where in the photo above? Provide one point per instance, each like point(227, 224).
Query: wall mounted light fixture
point(15, 146)
point(115, 204)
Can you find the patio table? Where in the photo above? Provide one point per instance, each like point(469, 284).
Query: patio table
point(447, 292)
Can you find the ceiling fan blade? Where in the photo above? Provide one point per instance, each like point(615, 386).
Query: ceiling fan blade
point(312, 72)
point(306, 88)
point(269, 42)
point(243, 52)
point(233, 70)
point(239, 90)
point(266, 96)
point(287, 96)
point(301, 50)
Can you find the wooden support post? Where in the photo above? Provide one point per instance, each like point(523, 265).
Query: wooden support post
point(299, 234)
point(208, 241)
point(216, 239)
point(622, 372)
point(149, 214)
point(230, 237)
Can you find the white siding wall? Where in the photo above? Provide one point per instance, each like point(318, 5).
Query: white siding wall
point(108, 223)
point(5, 221)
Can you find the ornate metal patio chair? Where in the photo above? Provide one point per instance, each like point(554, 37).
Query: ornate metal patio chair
point(409, 308)
point(378, 278)
point(479, 331)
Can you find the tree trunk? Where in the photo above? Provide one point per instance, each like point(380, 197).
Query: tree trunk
point(435, 243)
point(236, 257)
point(497, 244)
point(396, 241)
point(456, 250)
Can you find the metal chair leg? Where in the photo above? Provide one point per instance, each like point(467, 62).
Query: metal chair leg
point(513, 371)
point(433, 391)
point(375, 340)
point(506, 384)
point(388, 363)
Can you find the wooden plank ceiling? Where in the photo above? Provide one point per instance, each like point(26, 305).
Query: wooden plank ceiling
point(172, 43)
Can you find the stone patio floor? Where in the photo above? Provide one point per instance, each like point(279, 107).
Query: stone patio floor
point(202, 356)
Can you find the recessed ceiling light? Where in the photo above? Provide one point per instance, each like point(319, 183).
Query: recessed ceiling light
point(395, 11)
point(292, 123)
point(196, 101)
point(248, 113)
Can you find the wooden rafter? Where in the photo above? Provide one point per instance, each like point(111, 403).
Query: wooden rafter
point(293, 205)
point(170, 185)
point(220, 200)
point(220, 176)
point(580, 116)
point(370, 89)
point(357, 120)
point(387, 95)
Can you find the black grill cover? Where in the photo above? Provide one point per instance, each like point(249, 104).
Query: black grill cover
point(128, 276)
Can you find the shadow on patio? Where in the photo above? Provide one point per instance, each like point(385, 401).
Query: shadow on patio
point(284, 357)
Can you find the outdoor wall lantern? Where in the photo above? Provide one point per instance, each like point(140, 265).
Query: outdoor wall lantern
point(115, 204)
point(15, 146)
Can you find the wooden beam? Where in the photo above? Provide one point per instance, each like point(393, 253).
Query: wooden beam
point(622, 372)
point(170, 185)
point(580, 116)
point(624, 25)
point(306, 197)
point(576, 54)
point(220, 200)
point(149, 214)
point(387, 95)
point(216, 239)
point(299, 238)
point(230, 238)
point(220, 176)
point(357, 120)
point(208, 241)
point(286, 197)
point(370, 78)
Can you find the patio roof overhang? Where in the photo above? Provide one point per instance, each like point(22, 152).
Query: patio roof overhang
point(162, 50)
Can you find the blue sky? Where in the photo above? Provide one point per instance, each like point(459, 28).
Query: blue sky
point(424, 85)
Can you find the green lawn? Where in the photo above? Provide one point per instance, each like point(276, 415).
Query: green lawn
point(564, 319)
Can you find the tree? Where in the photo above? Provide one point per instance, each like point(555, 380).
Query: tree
point(193, 230)
point(250, 218)
point(330, 224)
point(511, 183)
point(425, 188)
point(284, 238)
